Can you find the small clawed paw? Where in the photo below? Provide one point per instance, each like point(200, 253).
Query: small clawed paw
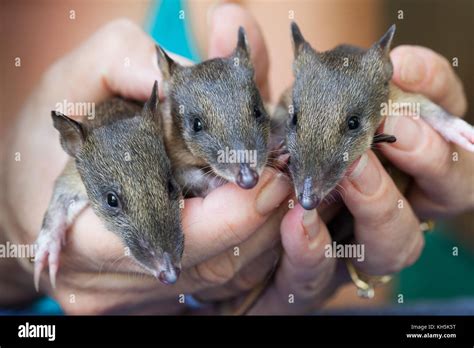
point(460, 132)
point(48, 247)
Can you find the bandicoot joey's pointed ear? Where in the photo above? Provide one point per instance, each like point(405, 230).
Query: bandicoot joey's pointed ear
point(72, 133)
point(304, 54)
point(385, 41)
point(242, 50)
point(297, 38)
point(379, 53)
point(166, 64)
point(151, 106)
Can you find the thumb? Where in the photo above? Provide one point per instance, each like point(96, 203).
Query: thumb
point(224, 22)
point(305, 277)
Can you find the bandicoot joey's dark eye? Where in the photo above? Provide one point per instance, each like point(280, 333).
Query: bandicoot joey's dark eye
point(257, 112)
point(112, 200)
point(353, 122)
point(294, 119)
point(171, 187)
point(197, 124)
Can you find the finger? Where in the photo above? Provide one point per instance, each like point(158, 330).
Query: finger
point(95, 248)
point(224, 23)
point(98, 250)
point(119, 59)
point(385, 225)
point(246, 279)
point(234, 271)
point(211, 227)
point(421, 70)
point(115, 298)
point(304, 276)
point(222, 269)
point(434, 164)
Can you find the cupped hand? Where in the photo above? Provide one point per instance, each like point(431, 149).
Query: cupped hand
point(386, 223)
point(387, 236)
point(224, 232)
point(443, 172)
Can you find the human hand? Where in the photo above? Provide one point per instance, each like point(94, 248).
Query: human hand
point(94, 275)
point(442, 171)
point(388, 239)
point(389, 230)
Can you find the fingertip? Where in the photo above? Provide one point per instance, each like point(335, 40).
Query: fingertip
point(292, 221)
point(304, 236)
point(211, 226)
point(224, 21)
point(409, 68)
point(422, 70)
point(365, 181)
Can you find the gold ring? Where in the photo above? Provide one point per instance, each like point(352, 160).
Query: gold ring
point(427, 226)
point(365, 283)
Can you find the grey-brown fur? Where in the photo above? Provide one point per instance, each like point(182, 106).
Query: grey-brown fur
point(121, 151)
point(329, 88)
point(223, 94)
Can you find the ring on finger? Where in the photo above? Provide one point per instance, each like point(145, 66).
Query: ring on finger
point(427, 226)
point(365, 283)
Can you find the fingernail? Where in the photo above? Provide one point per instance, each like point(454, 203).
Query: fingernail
point(406, 129)
point(361, 164)
point(412, 70)
point(366, 176)
point(271, 195)
point(311, 227)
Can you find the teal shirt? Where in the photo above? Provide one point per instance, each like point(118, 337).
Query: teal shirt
point(168, 24)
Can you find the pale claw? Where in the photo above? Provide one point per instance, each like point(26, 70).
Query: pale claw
point(39, 265)
point(459, 132)
point(48, 249)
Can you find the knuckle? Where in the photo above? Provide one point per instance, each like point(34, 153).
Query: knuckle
point(116, 33)
point(440, 75)
point(386, 261)
point(122, 26)
point(388, 213)
point(216, 272)
point(392, 256)
point(83, 305)
point(395, 260)
point(312, 259)
point(245, 281)
point(435, 163)
point(392, 263)
point(415, 254)
point(231, 233)
point(318, 285)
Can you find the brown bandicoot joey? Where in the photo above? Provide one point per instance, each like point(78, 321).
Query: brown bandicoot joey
point(216, 126)
point(335, 106)
point(119, 166)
